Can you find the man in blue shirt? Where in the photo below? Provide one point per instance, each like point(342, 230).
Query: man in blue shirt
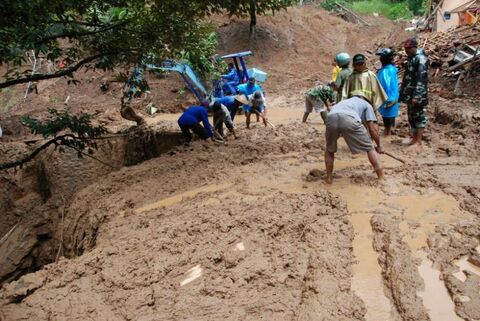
point(248, 90)
point(190, 120)
point(230, 80)
point(387, 75)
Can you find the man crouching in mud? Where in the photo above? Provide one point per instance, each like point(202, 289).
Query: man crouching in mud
point(346, 119)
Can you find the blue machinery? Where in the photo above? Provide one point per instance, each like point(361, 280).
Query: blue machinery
point(193, 82)
point(187, 74)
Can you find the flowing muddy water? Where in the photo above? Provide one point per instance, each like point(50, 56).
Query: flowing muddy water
point(435, 295)
point(420, 213)
point(464, 265)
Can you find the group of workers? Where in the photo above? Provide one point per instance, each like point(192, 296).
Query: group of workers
point(360, 93)
point(250, 96)
point(348, 104)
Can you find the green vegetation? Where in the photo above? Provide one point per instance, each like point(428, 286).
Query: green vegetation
point(63, 130)
point(393, 9)
point(252, 8)
point(388, 9)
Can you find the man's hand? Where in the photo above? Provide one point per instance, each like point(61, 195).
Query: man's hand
point(390, 103)
point(380, 149)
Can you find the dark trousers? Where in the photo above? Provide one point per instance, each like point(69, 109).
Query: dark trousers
point(196, 128)
point(219, 126)
point(233, 111)
point(389, 121)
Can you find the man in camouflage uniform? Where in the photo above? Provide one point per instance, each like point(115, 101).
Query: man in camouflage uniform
point(414, 89)
point(318, 98)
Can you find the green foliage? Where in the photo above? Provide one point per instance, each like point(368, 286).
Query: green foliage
point(417, 6)
point(69, 130)
point(393, 9)
point(198, 54)
point(384, 8)
point(98, 34)
point(241, 8)
point(331, 4)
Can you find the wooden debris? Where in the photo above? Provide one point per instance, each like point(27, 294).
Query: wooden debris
point(349, 15)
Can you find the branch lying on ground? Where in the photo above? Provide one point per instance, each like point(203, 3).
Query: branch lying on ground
point(20, 162)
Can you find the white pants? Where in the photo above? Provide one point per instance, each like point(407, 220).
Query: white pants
point(311, 104)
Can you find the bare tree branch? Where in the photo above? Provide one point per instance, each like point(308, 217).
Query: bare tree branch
point(72, 34)
point(60, 73)
point(30, 157)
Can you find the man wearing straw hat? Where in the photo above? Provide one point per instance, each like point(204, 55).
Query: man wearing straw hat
point(255, 103)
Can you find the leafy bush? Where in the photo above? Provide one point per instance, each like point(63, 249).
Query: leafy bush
point(69, 130)
point(393, 9)
point(64, 130)
point(199, 53)
point(330, 4)
point(384, 8)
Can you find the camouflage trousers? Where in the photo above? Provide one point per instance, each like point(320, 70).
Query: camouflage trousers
point(417, 117)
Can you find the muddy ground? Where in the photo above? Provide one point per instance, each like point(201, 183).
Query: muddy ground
point(249, 230)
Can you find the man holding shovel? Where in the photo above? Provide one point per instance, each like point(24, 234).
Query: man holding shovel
point(221, 115)
point(255, 104)
point(346, 119)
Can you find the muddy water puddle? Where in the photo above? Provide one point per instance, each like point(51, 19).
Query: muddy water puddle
point(435, 296)
point(419, 214)
point(169, 201)
point(465, 266)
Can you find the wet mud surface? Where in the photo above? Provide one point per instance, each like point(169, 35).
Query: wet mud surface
point(249, 230)
point(259, 235)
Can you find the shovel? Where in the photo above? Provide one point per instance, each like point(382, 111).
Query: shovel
point(261, 116)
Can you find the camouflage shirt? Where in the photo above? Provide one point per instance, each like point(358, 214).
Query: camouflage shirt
point(322, 93)
point(415, 80)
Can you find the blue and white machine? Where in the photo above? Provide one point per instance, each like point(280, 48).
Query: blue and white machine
point(194, 84)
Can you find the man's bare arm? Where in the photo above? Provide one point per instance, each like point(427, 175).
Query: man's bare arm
point(373, 129)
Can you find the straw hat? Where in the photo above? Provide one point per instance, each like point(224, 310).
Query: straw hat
point(242, 98)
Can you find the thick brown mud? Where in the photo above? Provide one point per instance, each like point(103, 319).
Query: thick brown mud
point(259, 235)
point(247, 230)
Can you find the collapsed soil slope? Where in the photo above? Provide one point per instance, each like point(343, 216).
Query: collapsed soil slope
point(294, 47)
point(249, 230)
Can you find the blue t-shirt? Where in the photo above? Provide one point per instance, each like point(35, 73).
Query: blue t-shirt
point(231, 76)
point(387, 76)
point(194, 115)
point(248, 89)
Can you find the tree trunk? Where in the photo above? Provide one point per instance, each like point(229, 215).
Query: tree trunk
point(129, 113)
point(126, 111)
point(253, 19)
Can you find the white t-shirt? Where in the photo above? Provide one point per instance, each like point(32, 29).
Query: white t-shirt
point(356, 107)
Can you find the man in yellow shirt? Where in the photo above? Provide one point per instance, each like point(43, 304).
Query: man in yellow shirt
point(363, 81)
point(336, 70)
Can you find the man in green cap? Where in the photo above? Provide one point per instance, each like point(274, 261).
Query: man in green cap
point(363, 81)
